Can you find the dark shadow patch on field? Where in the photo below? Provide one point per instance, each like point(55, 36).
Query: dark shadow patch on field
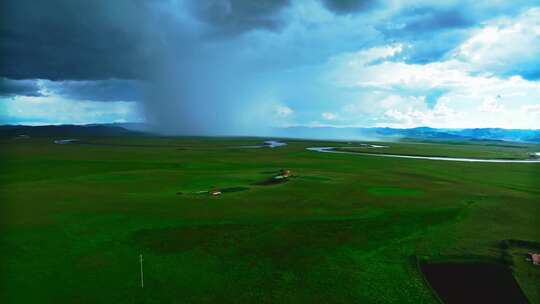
point(287, 242)
point(505, 244)
point(472, 282)
point(275, 241)
point(213, 238)
point(271, 181)
point(92, 261)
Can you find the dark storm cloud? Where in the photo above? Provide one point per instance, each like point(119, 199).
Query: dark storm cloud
point(100, 90)
point(10, 87)
point(89, 90)
point(349, 6)
point(430, 31)
point(123, 39)
point(236, 16)
point(63, 39)
point(430, 19)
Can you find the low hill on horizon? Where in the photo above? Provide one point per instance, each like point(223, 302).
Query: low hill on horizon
point(65, 130)
point(323, 133)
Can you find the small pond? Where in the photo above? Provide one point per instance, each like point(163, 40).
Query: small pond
point(473, 283)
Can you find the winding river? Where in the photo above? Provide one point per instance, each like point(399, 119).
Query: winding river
point(459, 159)
point(65, 141)
point(266, 144)
point(275, 144)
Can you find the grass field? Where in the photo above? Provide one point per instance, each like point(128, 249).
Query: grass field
point(469, 149)
point(342, 229)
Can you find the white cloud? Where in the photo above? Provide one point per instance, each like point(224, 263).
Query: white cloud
point(282, 111)
point(531, 109)
point(396, 92)
point(504, 45)
point(491, 105)
point(330, 116)
point(440, 116)
point(367, 56)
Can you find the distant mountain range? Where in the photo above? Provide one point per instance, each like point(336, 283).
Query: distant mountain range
point(328, 133)
point(65, 130)
point(421, 133)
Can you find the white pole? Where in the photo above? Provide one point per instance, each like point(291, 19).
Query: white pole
point(142, 277)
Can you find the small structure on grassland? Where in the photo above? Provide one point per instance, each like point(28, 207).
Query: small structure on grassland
point(534, 258)
point(283, 174)
point(215, 192)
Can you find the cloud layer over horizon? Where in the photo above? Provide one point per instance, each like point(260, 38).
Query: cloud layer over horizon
point(244, 67)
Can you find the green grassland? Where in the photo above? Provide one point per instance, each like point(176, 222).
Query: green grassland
point(342, 229)
point(465, 149)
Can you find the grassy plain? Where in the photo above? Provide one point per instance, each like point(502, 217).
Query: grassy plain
point(343, 229)
point(464, 149)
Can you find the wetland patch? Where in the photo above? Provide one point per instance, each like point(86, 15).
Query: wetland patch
point(472, 282)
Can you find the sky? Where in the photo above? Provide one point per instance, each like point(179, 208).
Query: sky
point(218, 67)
